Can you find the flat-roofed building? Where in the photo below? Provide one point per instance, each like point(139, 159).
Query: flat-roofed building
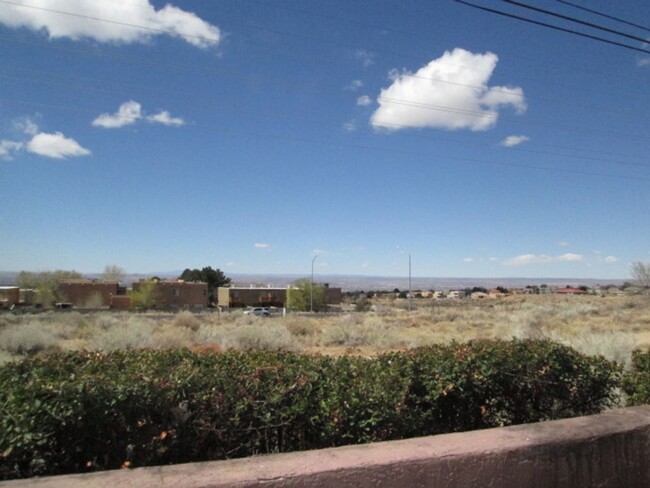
point(9, 296)
point(89, 293)
point(238, 297)
point(177, 294)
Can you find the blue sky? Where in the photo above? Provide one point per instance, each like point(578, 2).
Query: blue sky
point(253, 135)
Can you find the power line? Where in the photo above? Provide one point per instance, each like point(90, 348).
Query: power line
point(381, 149)
point(554, 27)
point(448, 109)
point(424, 106)
point(577, 21)
point(273, 114)
point(611, 17)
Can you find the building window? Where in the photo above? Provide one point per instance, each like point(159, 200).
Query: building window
point(176, 292)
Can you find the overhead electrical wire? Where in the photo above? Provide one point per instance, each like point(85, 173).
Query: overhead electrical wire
point(554, 27)
point(424, 106)
point(274, 114)
point(284, 83)
point(339, 145)
point(607, 16)
point(409, 75)
point(274, 31)
point(204, 103)
point(574, 20)
point(301, 86)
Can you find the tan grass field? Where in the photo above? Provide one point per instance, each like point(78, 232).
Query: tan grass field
point(610, 326)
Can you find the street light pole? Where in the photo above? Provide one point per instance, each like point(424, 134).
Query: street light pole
point(410, 292)
point(311, 288)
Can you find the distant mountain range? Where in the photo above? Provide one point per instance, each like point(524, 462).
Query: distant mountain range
point(367, 283)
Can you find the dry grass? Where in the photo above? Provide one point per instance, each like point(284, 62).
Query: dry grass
point(609, 326)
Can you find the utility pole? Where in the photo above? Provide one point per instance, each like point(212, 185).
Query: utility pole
point(410, 291)
point(311, 288)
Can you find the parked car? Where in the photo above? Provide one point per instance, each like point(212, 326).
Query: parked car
point(263, 311)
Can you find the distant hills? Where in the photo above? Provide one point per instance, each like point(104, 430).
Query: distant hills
point(367, 283)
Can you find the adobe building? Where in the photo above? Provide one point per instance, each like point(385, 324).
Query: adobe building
point(9, 296)
point(241, 297)
point(89, 293)
point(178, 294)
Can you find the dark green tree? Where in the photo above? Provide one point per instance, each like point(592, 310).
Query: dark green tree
point(215, 278)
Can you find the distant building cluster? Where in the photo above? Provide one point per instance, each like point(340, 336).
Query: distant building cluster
point(155, 294)
point(234, 297)
point(98, 294)
point(481, 294)
point(176, 295)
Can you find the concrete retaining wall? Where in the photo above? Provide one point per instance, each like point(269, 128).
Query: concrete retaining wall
point(611, 450)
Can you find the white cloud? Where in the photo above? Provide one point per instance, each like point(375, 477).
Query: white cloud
point(350, 126)
point(165, 118)
point(123, 22)
point(366, 58)
point(643, 62)
point(493, 259)
point(469, 260)
point(26, 126)
point(128, 113)
point(261, 245)
point(570, 257)
point(55, 146)
point(526, 259)
point(450, 92)
point(354, 85)
point(364, 101)
point(9, 147)
point(611, 259)
point(563, 244)
point(511, 141)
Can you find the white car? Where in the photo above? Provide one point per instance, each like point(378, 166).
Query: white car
point(263, 311)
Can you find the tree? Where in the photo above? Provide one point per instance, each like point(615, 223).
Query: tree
point(362, 304)
point(112, 272)
point(45, 284)
point(641, 273)
point(215, 278)
point(146, 294)
point(299, 297)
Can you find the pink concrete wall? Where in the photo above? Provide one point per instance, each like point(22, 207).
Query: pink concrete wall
point(611, 450)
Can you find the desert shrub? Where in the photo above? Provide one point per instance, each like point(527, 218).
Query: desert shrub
point(171, 336)
point(636, 383)
point(272, 337)
point(211, 334)
point(359, 330)
point(26, 338)
point(86, 411)
point(136, 333)
point(301, 326)
point(187, 319)
point(615, 346)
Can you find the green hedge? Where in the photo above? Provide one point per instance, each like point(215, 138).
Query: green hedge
point(636, 383)
point(81, 412)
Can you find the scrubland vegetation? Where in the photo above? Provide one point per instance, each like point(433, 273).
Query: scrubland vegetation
point(608, 326)
point(85, 392)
